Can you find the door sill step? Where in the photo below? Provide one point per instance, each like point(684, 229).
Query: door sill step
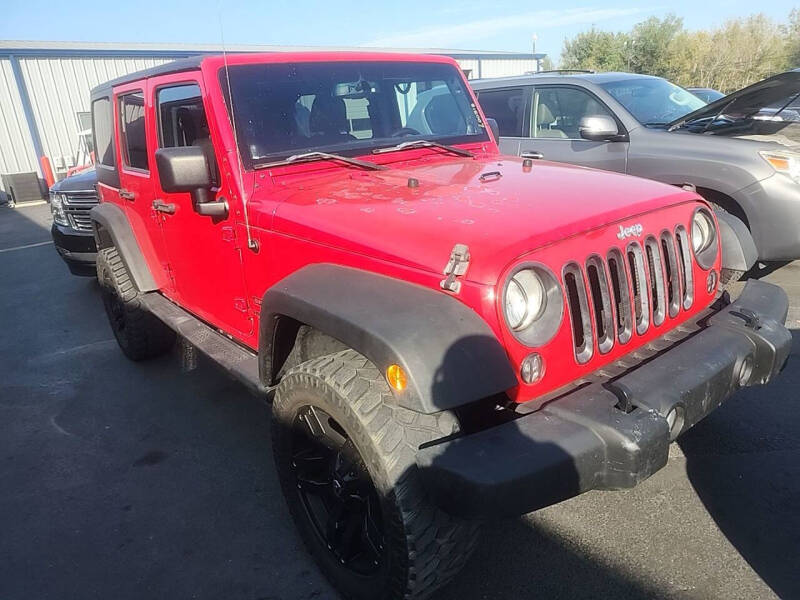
point(238, 362)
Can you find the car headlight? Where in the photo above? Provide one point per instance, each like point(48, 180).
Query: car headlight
point(525, 299)
point(702, 231)
point(532, 304)
point(784, 162)
point(57, 208)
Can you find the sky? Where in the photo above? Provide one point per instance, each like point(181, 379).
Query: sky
point(465, 24)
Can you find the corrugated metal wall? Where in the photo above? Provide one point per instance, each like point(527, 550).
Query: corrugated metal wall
point(16, 147)
point(58, 89)
point(505, 67)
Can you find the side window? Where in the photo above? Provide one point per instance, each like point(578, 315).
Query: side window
point(133, 141)
point(507, 107)
point(102, 127)
point(557, 112)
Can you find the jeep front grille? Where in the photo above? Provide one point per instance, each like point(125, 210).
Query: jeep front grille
point(77, 206)
point(627, 292)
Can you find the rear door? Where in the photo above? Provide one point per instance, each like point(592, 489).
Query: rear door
point(554, 118)
point(204, 252)
point(135, 176)
point(509, 107)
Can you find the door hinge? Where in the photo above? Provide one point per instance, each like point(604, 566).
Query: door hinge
point(456, 267)
point(170, 274)
point(228, 234)
point(240, 304)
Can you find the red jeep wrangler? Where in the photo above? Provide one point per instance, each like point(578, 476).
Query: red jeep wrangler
point(447, 334)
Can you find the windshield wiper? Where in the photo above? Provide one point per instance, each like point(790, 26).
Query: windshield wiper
point(424, 144)
point(312, 156)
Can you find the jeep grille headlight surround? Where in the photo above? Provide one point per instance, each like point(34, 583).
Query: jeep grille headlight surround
point(704, 238)
point(57, 208)
point(787, 163)
point(532, 304)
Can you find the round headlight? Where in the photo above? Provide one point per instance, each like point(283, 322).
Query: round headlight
point(702, 231)
point(525, 299)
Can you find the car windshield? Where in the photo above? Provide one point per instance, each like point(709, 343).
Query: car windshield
point(653, 101)
point(283, 109)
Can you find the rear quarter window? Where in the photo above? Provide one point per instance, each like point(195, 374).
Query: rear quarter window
point(102, 127)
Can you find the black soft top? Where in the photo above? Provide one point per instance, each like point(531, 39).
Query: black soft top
point(176, 66)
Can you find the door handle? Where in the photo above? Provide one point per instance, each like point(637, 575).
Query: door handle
point(534, 154)
point(164, 207)
point(127, 194)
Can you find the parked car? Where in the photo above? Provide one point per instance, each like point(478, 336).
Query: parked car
point(71, 199)
point(649, 127)
point(448, 333)
point(706, 94)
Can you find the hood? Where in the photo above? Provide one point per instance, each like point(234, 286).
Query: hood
point(776, 92)
point(414, 213)
point(80, 182)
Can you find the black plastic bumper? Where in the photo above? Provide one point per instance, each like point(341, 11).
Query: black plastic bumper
point(584, 441)
point(77, 248)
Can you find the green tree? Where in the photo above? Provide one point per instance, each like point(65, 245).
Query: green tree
point(652, 42)
point(595, 50)
point(792, 35)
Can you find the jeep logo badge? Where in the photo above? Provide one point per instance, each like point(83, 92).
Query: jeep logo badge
point(626, 232)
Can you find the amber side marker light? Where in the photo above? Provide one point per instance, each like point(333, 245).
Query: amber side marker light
point(396, 377)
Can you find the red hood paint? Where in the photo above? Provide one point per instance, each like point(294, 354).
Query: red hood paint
point(377, 213)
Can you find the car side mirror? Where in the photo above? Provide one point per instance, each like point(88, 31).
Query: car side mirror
point(598, 128)
point(184, 169)
point(494, 127)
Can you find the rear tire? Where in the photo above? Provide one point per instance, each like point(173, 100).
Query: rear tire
point(344, 396)
point(140, 334)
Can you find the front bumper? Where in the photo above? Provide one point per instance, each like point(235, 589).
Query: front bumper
point(773, 212)
point(76, 248)
point(586, 441)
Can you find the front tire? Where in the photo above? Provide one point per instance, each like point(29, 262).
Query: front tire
point(337, 432)
point(139, 334)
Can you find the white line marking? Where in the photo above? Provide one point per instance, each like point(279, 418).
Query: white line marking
point(25, 246)
point(31, 203)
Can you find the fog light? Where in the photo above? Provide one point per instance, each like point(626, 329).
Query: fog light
point(532, 368)
point(711, 281)
point(745, 371)
point(396, 377)
point(675, 421)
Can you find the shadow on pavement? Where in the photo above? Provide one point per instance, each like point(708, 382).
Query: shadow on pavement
point(742, 462)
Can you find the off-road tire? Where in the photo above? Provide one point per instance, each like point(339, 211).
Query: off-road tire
point(140, 334)
point(425, 547)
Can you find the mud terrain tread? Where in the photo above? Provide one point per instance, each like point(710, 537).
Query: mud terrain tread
point(438, 544)
point(145, 336)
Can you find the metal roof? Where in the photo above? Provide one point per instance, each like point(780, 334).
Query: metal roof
point(37, 48)
point(555, 77)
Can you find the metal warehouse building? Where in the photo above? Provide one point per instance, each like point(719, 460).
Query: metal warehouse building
point(44, 89)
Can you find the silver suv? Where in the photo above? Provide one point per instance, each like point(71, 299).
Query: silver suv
point(744, 163)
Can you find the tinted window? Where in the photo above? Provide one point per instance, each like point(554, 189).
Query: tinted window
point(507, 107)
point(102, 120)
point(282, 109)
point(557, 112)
point(133, 142)
point(181, 117)
point(653, 101)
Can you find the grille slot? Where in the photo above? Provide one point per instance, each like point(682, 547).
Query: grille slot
point(685, 266)
point(578, 304)
point(621, 295)
point(641, 303)
point(673, 276)
point(657, 295)
point(601, 303)
point(80, 220)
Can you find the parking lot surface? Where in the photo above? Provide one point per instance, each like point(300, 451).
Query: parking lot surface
point(137, 480)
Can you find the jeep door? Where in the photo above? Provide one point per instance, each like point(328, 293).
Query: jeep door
point(203, 251)
point(553, 129)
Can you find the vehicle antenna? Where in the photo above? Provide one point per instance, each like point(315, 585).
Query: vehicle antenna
point(251, 243)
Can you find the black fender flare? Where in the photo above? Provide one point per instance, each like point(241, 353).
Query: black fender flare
point(736, 243)
point(109, 219)
point(449, 353)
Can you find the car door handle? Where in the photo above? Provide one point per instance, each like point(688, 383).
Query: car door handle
point(164, 207)
point(535, 154)
point(127, 194)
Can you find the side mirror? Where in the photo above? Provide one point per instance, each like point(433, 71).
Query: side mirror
point(598, 128)
point(183, 169)
point(494, 127)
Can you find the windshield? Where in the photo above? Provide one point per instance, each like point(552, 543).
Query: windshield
point(281, 109)
point(653, 101)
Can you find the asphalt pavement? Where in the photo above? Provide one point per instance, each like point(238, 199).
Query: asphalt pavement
point(137, 480)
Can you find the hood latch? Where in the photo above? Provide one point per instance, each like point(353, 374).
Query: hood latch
point(456, 267)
